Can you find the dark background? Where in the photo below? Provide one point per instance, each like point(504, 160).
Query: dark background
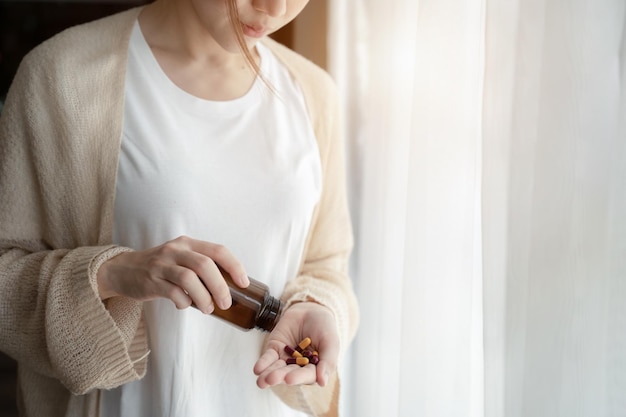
point(23, 25)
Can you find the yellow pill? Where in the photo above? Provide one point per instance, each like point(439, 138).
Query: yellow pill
point(302, 361)
point(296, 354)
point(305, 343)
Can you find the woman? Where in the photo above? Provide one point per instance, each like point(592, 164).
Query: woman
point(137, 154)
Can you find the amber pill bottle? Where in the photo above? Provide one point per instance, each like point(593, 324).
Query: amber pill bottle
point(253, 306)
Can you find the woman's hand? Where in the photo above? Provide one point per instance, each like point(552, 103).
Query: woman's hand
point(299, 321)
point(174, 270)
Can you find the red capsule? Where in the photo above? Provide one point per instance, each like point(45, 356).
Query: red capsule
point(302, 354)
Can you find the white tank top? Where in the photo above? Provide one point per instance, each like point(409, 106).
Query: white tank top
point(243, 173)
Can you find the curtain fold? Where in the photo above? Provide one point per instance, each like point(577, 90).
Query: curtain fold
point(564, 173)
point(487, 158)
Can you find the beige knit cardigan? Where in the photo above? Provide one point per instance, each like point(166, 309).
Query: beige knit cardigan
point(60, 133)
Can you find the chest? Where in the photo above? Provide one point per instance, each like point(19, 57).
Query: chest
point(260, 164)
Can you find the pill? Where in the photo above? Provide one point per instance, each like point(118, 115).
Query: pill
point(302, 354)
point(304, 343)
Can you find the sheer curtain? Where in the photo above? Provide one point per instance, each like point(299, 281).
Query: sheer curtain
point(487, 159)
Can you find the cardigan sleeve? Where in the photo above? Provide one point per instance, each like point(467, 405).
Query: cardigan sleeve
point(323, 275)
point(54, 208)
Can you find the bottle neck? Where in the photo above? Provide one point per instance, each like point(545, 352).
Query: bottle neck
point(270, 314)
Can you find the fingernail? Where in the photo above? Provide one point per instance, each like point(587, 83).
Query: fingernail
point(224, 303)
point(209, 309)
point(245, 279)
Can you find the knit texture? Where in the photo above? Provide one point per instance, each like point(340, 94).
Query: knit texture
point(60, 134)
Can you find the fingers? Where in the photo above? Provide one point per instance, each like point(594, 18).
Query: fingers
point(272, 370)
point(265, 361)
point(184, 270)
point(181, 280)
point(202, 280)
point(327, 364)
point(323, 371)
point(208, 267)
point(224, 259)
point(297, 375)
point(178, 296)
point(314, 321)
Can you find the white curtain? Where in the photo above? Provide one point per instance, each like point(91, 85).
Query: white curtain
point(487, 162)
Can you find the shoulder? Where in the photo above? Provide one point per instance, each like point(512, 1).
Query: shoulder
point(308, 74)
point(294, 60)
point(318, 88)
point(80, 68)
point(76, 62)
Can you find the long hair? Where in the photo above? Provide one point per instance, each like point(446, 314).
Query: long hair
point(233, 15)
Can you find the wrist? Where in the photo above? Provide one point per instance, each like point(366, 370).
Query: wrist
point(310, 302)
point(103, 279)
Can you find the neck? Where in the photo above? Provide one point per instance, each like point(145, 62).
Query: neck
point(177, 27)
point(189, 53)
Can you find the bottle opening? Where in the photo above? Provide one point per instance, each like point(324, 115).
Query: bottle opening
point(270, 315)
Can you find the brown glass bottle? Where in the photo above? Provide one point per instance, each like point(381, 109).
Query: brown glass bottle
point(253, 306)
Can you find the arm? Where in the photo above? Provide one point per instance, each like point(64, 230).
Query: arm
point(54, 216)
point(323, 283)
point(323, 275)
